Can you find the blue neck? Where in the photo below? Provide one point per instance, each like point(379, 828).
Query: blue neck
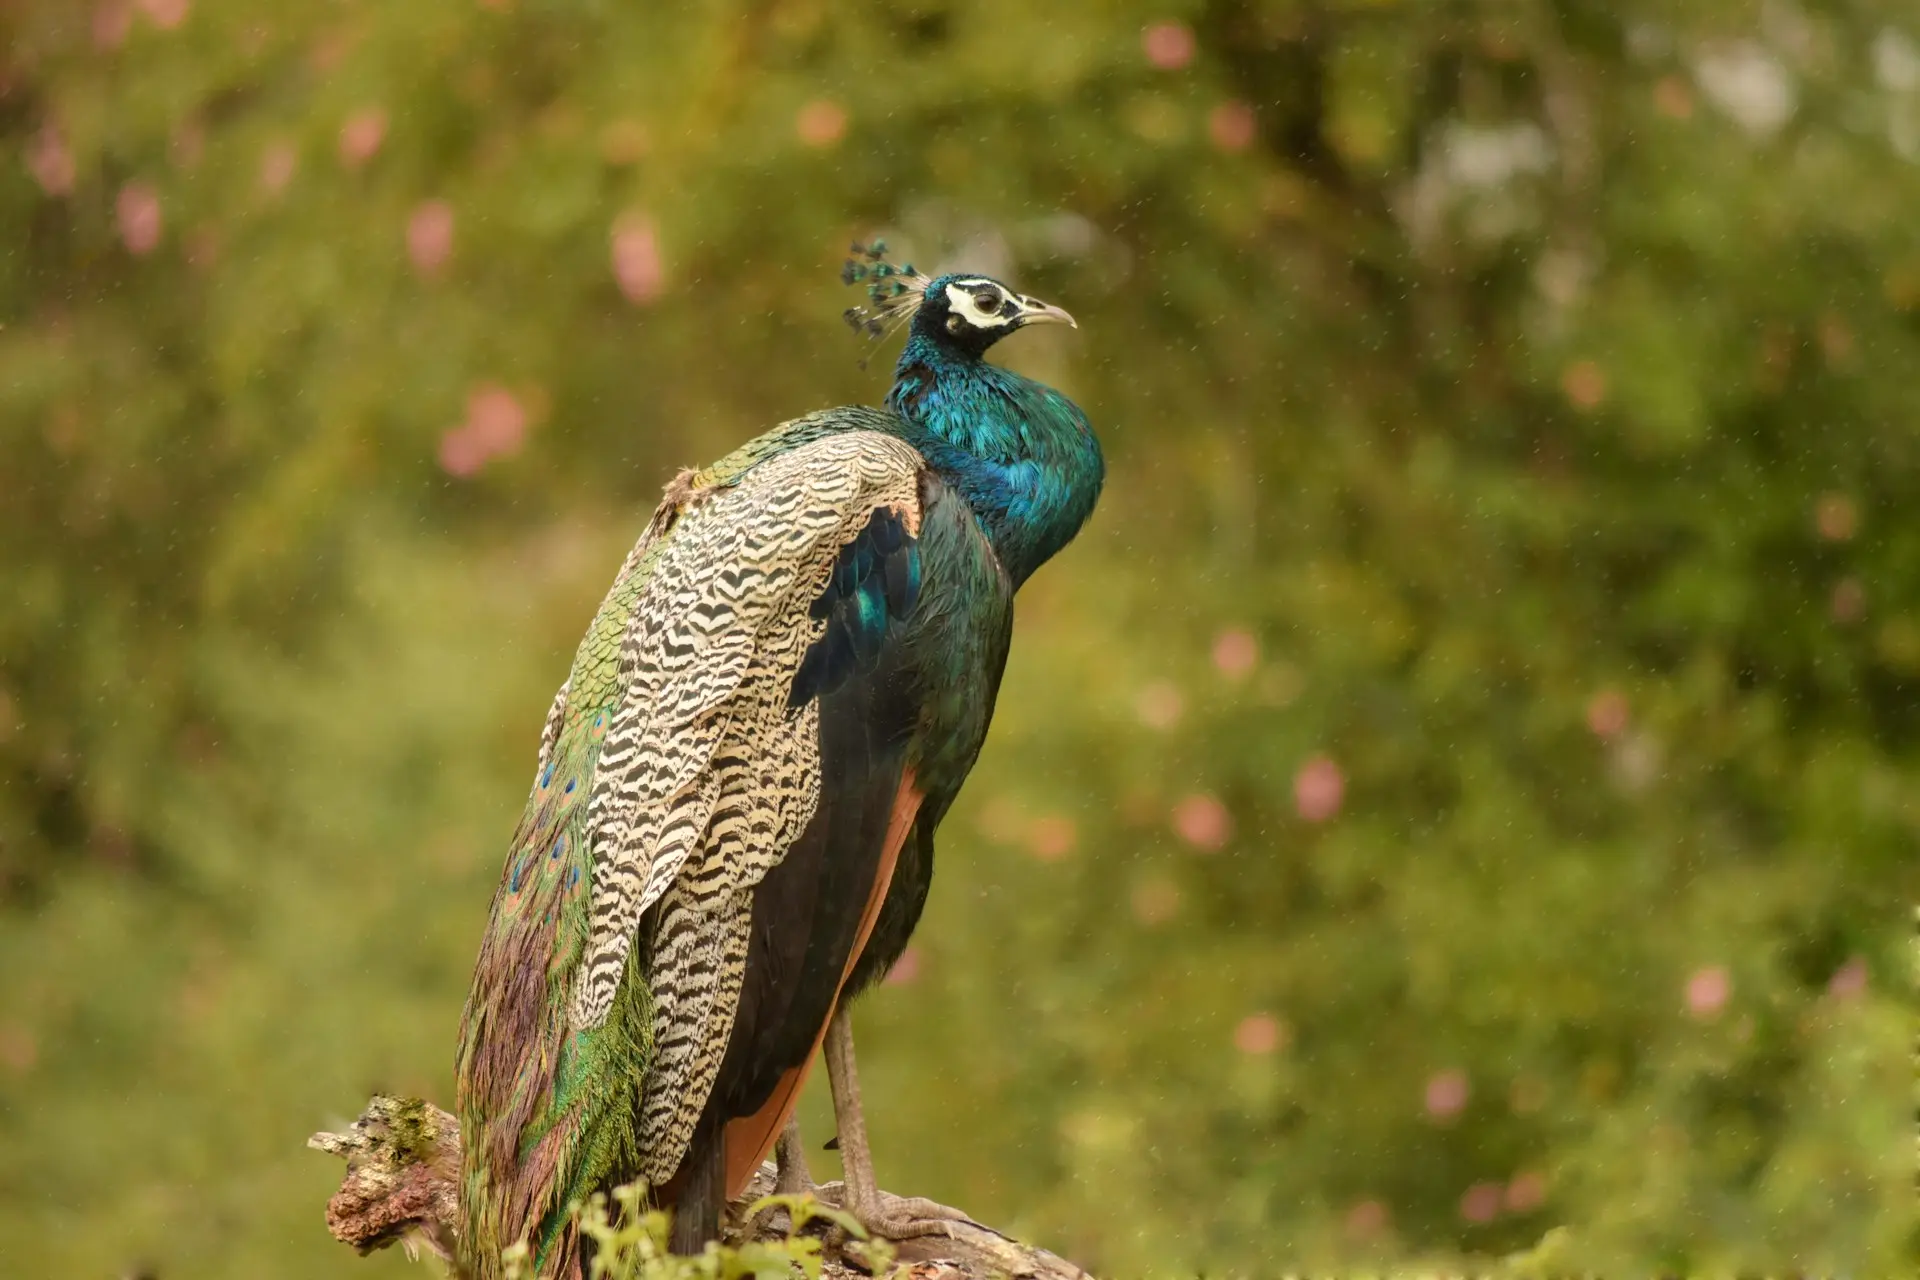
point(1021, 454)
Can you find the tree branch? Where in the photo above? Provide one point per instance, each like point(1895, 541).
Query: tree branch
point(403, 1177)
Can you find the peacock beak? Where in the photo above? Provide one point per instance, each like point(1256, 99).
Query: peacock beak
point(1034, 311)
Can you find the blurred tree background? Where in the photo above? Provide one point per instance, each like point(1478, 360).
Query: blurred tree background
point(1461, 788)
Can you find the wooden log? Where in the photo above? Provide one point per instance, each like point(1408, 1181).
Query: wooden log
point(402, 1187)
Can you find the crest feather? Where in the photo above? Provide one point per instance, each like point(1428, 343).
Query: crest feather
point(894, 292)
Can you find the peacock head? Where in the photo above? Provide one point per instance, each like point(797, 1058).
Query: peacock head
point(962, 313)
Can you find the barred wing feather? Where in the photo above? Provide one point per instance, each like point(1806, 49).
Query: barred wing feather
point(707, 775)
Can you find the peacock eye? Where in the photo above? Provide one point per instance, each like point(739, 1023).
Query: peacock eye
point(988, 300)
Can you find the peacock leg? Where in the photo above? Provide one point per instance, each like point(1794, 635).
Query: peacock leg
point(899, 1217)
point(790, 1157)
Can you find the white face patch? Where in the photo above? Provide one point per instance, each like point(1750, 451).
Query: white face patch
point(963, 299)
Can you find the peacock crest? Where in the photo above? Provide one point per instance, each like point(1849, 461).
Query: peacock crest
point(894, 292)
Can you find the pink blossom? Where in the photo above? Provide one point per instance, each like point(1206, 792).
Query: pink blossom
point(361, 136)
point(1836, 517)
point(1607, 714)
point(1231, 126)
point(496, 424)
point(1672, 97)
point(1707, 992)
point(1259, 1034)
point(165, 14)
point(906, 970)
point(1481, 1203)
point(1235, 653)
point(637, 266)
point(1849, 603)
point(112, 19)
point(821, 123)
point(50, 161)
point(460, 453)
point(1052, 838)
point(1526, 1192)
point(1168, 45)
point(1203, 822)
point(189, 142)
point(1366, 1219)
point(1585, 384)
point(430, 236)
point(19, 1050)
point(277, 164)
point(1447, 1094)
point(1159, 705)
point(137, 210)
point(1318, 789)
point(1849, 980)
point(496, 419)
point(330, 49)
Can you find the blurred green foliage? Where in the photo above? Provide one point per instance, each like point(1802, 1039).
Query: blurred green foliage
point(1462, 785)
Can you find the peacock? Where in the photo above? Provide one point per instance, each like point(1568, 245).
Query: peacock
point(731, 827)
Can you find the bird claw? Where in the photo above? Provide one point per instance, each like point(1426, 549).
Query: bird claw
point(895, 1217)
point(909, 1217)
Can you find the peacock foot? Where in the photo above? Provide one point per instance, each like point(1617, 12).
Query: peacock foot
point(909, 1217)
point(896, 1218)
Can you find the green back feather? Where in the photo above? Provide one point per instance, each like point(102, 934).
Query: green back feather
point(547, 1113)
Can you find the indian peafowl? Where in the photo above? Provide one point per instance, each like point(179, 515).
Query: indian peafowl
point(731, 827)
